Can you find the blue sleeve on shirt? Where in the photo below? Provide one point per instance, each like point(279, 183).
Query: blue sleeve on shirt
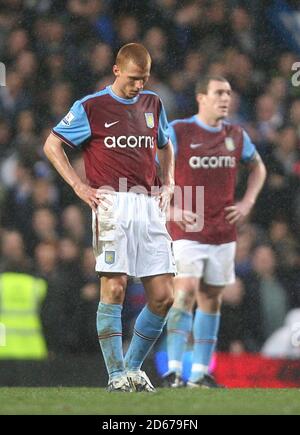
point(249, 148)
point(173, 138)
point(75, 126)
point(163, 132)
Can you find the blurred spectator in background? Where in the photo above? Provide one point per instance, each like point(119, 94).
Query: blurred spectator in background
point(100, 60)
point(281, 157)
point(88, 266)
point(240, 71)
point(286, 152)
point(127, 30)
point(235, 110)
point(285, 62)
point(156, 41)
point(61, 308)
point(46, 259)
point(246, 241)
point(27, 67)
point(26, 131)
point(268, 118)
point(73, 224)
point(88, 303)
point(44, 227)
point(166, 93)
point(5, 138)
point(233, 330)
point(18, 178)
point(69, 254)
point(294, 116)
point(14, 97)
point(84, 323)
point(44, 194)
point(277, 89)
point(266, 299)
point(13, 254)
point(55, 67)
point(284, 244)
point(17, 42)
point(243, 34)
point(60, 97)
point(180, 91)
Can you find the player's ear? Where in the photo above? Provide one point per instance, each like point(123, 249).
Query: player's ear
point(116, 70)
point(199, 98)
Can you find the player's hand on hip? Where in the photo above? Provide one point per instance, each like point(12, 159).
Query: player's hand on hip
point(104, 202)
point(184, 218)
point(165, 196)
point(237, 212)
point(88, 194)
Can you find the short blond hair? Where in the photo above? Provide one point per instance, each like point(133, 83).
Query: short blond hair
point(134, 52)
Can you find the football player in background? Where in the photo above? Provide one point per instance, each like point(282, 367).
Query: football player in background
point(208, 151)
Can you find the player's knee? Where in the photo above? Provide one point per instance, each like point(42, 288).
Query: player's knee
point(163, 303)
point(212, 298)
point(166, 305)
point(183, 299)
point(211, 292)
point(169, 302)
point(117, 292)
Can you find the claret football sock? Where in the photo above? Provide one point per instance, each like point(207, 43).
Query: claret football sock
point(205, 331)
point(179, 327)
point(109, 327)
point(147, 329)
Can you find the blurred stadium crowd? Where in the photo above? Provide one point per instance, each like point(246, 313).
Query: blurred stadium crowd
point(58, 51)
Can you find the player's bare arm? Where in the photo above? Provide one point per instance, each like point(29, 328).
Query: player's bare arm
point(166, 161)
point(54, 151)
point(255, 183)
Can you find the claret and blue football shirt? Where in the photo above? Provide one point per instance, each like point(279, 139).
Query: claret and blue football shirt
point(209, 157)
point(119, 137)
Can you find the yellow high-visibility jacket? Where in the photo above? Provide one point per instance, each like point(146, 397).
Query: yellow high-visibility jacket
point(21, 335)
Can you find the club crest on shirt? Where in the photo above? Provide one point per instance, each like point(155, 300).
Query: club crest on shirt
point(68, 118)
point(149, 120)
point(110, 257)
point(229, 143)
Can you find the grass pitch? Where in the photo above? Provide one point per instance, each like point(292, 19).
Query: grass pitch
point(84, 401)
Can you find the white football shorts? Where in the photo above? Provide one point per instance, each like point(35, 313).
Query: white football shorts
point(131, 236)
point(213, 263)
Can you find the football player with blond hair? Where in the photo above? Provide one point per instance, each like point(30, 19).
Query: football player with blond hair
point(120, 129)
